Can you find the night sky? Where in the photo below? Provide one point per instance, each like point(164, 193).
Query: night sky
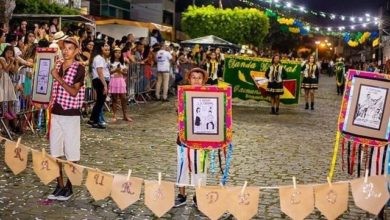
point(341, 7)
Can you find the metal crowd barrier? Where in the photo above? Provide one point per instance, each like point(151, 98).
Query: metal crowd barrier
point(138, 90)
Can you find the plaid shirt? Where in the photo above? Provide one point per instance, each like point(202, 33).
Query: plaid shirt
point(61, 96)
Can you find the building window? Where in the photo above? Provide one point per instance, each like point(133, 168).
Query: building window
point(167, 17)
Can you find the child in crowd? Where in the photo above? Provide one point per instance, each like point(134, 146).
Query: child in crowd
point(117, 86)
point(195, 77)
point(8, 65)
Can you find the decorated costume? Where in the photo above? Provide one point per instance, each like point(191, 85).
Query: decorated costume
point(310, 76)
point(214, 69)
point(275, 75)
point(340, 77)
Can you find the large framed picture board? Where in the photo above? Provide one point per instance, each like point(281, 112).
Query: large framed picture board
point(205, 116)
point(43, 80)
point(365, 113)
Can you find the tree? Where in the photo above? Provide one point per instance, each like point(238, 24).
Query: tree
point(43, 7)
point(238, 25)
point(6, 9)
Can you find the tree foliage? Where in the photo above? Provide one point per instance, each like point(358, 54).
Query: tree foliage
point(6, 9)
point(238, 25)
point(43, 7)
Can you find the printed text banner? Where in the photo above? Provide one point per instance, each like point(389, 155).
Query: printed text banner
point(238, 71)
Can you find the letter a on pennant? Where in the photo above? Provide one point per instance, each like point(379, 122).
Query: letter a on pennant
point(15, 157)
point(159, 198)
point(45, 166)
point(99, 184)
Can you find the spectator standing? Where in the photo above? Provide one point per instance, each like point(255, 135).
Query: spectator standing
point(163, 59)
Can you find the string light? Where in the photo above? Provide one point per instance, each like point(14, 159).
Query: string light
point(360, 19)
point(352, 19)
point(364, 25)
point(301, 8)
point(342, 18)
point(353, 27)
point(288, 4)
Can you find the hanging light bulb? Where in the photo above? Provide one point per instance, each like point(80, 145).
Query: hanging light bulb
point(288, 4)
point(301, 8)
point(332, 16)
point(329, 29)
point(353, 27)
point(342, 18)
point(368, 19)
point(367, 15)
point(364, 25)
point(352, 19)
point(317, 29)
point(360, 19)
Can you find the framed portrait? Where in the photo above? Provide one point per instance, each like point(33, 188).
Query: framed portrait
point(205, 116)
point(365, 113)
point(42, 79)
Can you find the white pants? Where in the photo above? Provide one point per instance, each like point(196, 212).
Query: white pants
point(65, 137)
point(185, 176)
point(162, 79)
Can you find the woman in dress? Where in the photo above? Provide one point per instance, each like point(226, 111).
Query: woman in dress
point(275, 75)
point(310, 81)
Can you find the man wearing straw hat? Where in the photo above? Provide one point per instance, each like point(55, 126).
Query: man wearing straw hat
point(66, 101)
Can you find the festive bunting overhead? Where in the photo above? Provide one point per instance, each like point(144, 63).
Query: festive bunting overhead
point(363, 22)
point(296, 201)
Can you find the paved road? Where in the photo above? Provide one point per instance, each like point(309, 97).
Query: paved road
point(268, 151)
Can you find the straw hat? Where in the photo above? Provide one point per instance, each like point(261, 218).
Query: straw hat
point(198, 70)
point(59, 36)
point(72, 40)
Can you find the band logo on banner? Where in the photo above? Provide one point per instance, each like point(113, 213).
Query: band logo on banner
point(43, 80)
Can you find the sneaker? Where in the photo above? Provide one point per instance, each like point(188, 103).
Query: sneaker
point(65, 194)
point(98, 125)
point(195, 202)
point(56, 193)
point(90, 122)
point(180, 200)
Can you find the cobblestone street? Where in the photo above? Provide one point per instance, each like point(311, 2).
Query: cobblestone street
point(268, 151)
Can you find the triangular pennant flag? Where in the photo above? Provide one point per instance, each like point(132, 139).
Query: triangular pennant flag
point(45, 166)
point(243, 204)
point(126, 192)
point(332, 200)
point(212, 201)
point(159, 198)
point(15, 157)
point(99, 184)
point(74, 172)
point(370, 195)
point(297, 203)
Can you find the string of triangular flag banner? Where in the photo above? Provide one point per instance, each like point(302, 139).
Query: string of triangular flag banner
point(297, 201)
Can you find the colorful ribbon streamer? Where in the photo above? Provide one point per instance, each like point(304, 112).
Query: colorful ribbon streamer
point(227, 165)
point(335, 152)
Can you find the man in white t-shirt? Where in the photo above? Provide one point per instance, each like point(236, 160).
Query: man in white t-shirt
point(163, 59)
